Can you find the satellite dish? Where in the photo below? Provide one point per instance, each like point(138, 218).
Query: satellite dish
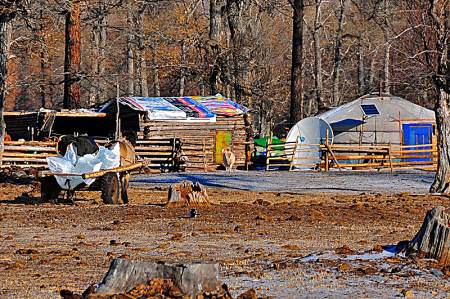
point(308, 134)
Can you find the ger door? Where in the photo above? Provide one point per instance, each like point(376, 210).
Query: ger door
point(418, 134)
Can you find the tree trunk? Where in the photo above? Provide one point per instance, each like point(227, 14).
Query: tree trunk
point(141, 81)
point(101, 61)
point(137, 72)
point(124, 275)
point(337, 54)
point(361, 75)
point(371, 79)
point(387, 51)
point(97, 89)
point(143, 77)
point(215, 19)
point(318, 82)
point(296, 105)
point(72, 61)
point(43, 62)
point(5, 37)
point(183, 69)
point(439, 12)
point(433, 239)
point(95, 63)
point(387, 73)
point(44, 71)
point(215, 32)
point(156, 87)
point(442, 178)
point(130, 49)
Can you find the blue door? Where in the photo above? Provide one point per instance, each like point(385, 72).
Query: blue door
point(417, 134)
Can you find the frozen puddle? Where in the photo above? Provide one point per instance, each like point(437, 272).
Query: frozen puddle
point(389, 251)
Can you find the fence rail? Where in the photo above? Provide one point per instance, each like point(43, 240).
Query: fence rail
point(160, 153)
point(323, 157)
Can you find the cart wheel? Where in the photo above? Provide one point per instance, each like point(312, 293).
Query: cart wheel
point(110, 187)
point(125, 179)
point(50, 189)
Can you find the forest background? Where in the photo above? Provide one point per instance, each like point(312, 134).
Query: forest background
point(243, 49)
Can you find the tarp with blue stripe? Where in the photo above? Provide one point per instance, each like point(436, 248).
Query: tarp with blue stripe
point(182, 108)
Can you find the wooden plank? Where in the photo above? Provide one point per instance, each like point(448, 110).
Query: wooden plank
point(116, 169)
point(29, 148)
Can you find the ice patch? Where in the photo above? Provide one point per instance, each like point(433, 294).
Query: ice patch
point(365, 256)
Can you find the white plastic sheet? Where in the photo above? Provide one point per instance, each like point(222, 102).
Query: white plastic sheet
point(72, 163)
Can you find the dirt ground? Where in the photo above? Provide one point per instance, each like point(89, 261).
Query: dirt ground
point(260, 240)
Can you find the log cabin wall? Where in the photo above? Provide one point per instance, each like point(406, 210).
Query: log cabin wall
point(199, 140)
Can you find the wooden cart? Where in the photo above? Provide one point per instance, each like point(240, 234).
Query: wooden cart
point(113, 184)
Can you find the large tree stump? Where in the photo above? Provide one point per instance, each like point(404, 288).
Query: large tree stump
point(433, 239)
point(192, 279)
point(187, 193)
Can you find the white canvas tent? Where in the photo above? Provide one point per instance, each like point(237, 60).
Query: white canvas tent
point(369, 120)
point(375, 119)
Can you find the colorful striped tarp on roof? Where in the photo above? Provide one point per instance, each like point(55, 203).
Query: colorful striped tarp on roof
point(220, 105)
point(193, 107)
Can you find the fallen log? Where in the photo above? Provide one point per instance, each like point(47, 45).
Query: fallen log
point(192, 279)
point(433, 239)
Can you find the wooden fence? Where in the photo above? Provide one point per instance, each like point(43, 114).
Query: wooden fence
point(158, 152)
point(27, 154)
point(324, 157)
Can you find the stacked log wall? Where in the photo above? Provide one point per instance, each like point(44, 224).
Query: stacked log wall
point(27, 154)
point(199, 139)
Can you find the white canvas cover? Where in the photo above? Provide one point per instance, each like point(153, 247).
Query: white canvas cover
point(158, 108)
point(350, 124)
point(306, 135)
point(72, 163)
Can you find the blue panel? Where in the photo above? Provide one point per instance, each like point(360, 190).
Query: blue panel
point(370, 109)
point(345, 125)
point(417, 134)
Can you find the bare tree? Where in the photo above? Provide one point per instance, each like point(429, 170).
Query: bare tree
point(8, 11)
point(183, 68)
point(439, 12)
point(72, 60)
point(155, 66)
point(337, 62)
point(130, 48)
point(99, 36)
point(215, 32)
point(5, 36)
point(296, 111)
point(318, 82)
point(361, 75)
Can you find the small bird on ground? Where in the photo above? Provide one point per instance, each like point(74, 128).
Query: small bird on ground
point(193, 213)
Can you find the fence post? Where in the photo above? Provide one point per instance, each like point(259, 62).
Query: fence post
point(294, 151)
point(268, 148)
point(390, 157)
point(204, 154)
point(327, 165)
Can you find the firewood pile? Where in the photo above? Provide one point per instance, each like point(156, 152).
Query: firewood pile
point(17, 175)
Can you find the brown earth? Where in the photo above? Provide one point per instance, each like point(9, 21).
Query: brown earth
point(46, 247)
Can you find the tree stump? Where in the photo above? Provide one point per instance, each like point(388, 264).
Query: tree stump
point(124, 275)
point(433, 239)
point(187, 193)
